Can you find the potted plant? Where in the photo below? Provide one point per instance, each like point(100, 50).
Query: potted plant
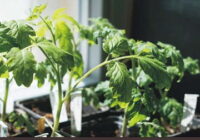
point(14, 34)
point(151, 81)
point(131, 89)
point(115, 44)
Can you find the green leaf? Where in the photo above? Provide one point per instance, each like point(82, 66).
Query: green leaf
point(147, 99)
point(60, 14)
point(64, 36)
point(21, 121)
point(77, 70)
point(144, 48)
point(143, 80)
point(155, 69)
point(171, 111)
point(170, 51)
point(22, 63)
point(6, 41)
point(191, 65)
point(37, 11)
point(3, 68)
point(21, 31)
point(90, 97)
point(115, 45)
point(137, 118)
point(56, 54)
point(120, 81)
point(103, 89)
point(152, 129)
point(41, 73)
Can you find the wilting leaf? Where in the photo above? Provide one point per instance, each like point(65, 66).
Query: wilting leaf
point(41, 73)
point(57, 55)
point(120, 81)
point(155, 69)
point(41, 125)
point(191, 65)
point(171, 111)
point(22, 63)
point(115, 45)
point(21, 31)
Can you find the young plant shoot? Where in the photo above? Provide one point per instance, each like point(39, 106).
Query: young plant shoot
point(14, 60)
point(141, 90)
point(153, 67)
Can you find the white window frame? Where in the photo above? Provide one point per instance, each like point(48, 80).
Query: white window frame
point(92, 55)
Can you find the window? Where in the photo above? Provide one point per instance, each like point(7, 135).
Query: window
point(81, 10)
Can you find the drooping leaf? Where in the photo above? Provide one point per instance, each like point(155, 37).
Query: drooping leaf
point(3, 68)
point(150, 102)
point(64, 36)
point(143, 80)
point(191, 65)
point(21, 121)
point(41, 73)
point(140, 47)
point(77, 70)
point(41, 125)
point(155, 69)
point(152, 129)
point(21, 31)
point(22, 63)
point(90, 97)
point(6, 41)
point(56, 54)
point(115, 45)
point(137, 118)
point(103, 89)
point(171, 111)
point(120, 81)
point(170, 51)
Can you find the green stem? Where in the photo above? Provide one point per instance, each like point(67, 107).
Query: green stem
point(68, 100)
point(52, 64)
point(56, 120)
point(5, 99)
point(59, 107)
point(125, 121)
point(94, 69)
point(51, 31)
point(57, 71)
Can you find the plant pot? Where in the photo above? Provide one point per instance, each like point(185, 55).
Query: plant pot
point(40, 106)
point(102, 124)
point(99, 124)
point(106, 124)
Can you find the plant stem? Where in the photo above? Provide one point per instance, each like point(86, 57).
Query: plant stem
point(57, 71)
point(125, 121)
point(56, 120)
point(52, 64)
point(68, 100)
point(62, 100)
point(95, 68)
point(59, 107)
point(51, 31)
point(7, 82)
